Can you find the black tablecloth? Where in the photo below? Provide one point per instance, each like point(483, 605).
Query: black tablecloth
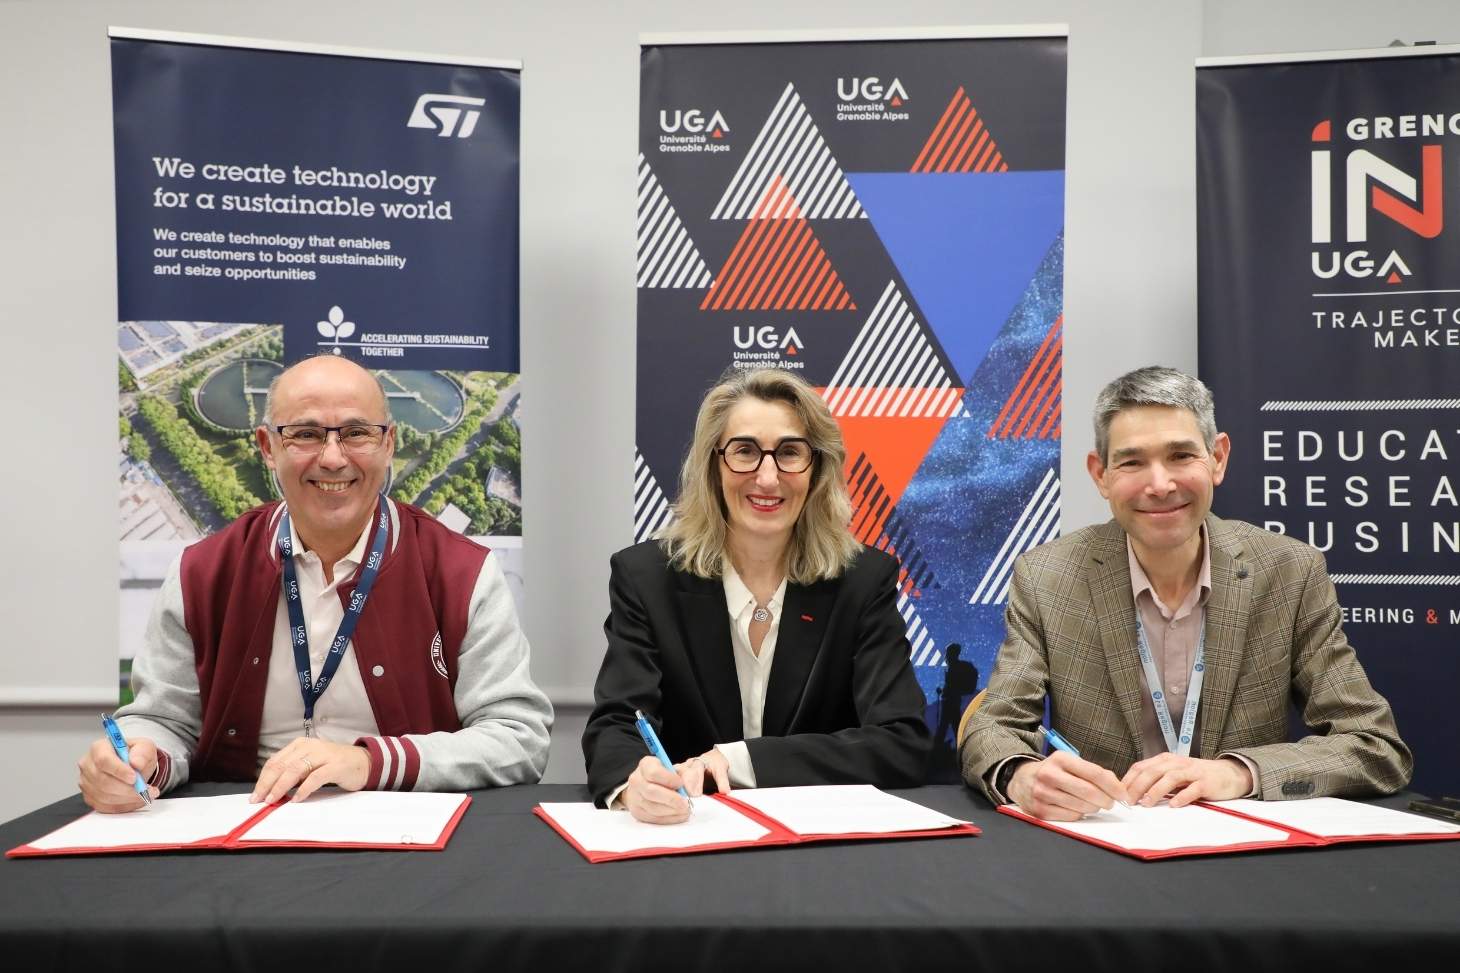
point(509, 894)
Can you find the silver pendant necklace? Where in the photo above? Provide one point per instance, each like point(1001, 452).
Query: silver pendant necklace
point(761, 614)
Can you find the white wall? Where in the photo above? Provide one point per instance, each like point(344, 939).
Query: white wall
point(1264, 27)
point(1130, 280)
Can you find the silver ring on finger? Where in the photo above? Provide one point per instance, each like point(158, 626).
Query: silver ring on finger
point(308, 765)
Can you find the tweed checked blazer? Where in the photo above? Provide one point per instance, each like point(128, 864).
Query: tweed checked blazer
point(1273, 634)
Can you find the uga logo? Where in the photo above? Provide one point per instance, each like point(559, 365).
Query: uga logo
point(693, 121)
point(871, 89)
point(768, 337)
point(438, 661)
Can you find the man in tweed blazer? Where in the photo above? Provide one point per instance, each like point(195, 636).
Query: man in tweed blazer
point(1264, 604)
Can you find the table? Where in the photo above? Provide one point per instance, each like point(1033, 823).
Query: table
point(509, 894)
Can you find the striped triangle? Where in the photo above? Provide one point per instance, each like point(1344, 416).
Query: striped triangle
point(875, 522)
point(960, 142)
point(922, 647)
point(893, 368)
point(1035, 406)
point(667, 257)
point(652, 511)
point(789, 147)
point(1038, 523)
point(777, 264)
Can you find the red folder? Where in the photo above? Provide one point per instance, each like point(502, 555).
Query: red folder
point(779, 835)
point(1293, 837)
point(237, 840)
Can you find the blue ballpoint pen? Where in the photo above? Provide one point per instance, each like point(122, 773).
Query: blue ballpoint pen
point(1057, 741)
point(119, 744)
point(651, 740)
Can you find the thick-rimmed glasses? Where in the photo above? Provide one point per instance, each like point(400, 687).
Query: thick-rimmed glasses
point(744, 455)
point(356, 437)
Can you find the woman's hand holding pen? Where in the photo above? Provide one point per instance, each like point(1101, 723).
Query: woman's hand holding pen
point(652, 793)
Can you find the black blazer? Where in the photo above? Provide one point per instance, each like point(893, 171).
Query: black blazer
point(842, 706)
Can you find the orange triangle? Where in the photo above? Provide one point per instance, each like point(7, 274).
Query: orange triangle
point(790, 349)
point(945, 151)
point(895, 445)
point(717, 134)
point(1394, 277)
point(896, 101)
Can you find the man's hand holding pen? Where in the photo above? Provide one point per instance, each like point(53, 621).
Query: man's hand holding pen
point(109, 785)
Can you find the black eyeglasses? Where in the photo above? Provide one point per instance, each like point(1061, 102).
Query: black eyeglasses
point(357, 437)
point(744, 455)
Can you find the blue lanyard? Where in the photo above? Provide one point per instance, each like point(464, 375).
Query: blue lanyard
point(299, 637)
point(1180, 746)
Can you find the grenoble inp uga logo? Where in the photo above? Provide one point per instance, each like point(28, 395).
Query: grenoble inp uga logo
point(448, 114)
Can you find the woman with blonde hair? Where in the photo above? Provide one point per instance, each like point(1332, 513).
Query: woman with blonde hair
point(755, 633)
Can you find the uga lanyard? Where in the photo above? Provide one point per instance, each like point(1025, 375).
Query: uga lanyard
point(1179, 746)
point(299, 637)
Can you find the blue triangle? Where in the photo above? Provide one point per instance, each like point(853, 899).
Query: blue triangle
point(966, 244)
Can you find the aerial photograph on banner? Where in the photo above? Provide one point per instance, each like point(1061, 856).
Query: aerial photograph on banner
point(192, 394)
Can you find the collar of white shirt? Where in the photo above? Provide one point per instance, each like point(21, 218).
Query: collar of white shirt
point(346, 565)
point(738, 596)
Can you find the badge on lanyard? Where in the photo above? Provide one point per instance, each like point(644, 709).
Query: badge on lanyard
point(1181, 746)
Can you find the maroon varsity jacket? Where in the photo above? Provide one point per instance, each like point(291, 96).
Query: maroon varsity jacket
point(231, 586)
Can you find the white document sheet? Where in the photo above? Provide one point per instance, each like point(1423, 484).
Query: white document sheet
point(1333, 817)
point(1162, 828)
point(169, 821)
point(599, 830)
point(360, 817)
point(843, 809)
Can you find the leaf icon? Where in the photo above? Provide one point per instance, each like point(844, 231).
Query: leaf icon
point(336, 327)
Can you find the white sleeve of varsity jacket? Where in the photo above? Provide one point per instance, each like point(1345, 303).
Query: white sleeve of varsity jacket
point(505, 718)
point(166, 707)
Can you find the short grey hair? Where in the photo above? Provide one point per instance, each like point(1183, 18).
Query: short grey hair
point(1154, 385)
point(268, 418)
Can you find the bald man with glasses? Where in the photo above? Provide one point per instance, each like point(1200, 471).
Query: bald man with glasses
point(337, 637)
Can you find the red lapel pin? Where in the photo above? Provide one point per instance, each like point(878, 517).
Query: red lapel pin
point(807, 618)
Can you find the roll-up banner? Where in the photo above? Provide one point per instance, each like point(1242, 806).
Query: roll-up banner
point(884, 215)
point(1329, 280)
point(278, 201)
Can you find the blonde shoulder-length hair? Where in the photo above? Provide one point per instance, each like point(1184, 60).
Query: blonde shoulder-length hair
point(822, 545)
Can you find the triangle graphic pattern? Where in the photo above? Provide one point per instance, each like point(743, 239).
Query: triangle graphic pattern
point(960, 142)
point(1034, 407)
point(789, 146)
point(966, 247)
point(1038, 523)
point(777, 264)
point(652, 512)
point(667, 257)
point(892, 369)
point(875, 523)
point(922, 647)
